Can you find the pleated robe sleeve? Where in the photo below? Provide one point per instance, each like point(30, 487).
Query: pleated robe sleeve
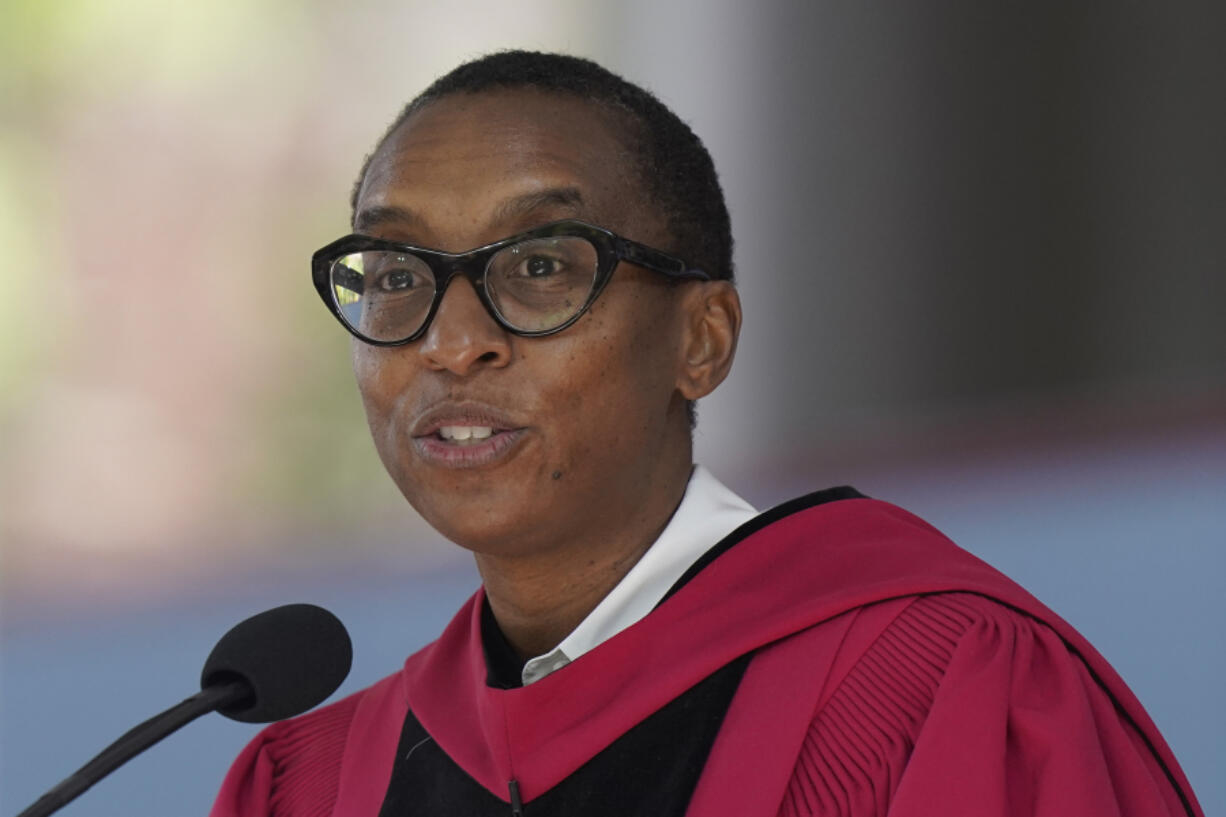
point(964, 707)
point(291, 769)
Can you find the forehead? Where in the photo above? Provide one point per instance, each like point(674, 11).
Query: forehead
point(474, 167)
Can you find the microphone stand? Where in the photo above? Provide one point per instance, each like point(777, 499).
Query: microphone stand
point(136, 740)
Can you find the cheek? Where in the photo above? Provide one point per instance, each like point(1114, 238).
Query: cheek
point(380, 373)
point(367, 373)
point(621, 375)
point(376, 375)
point(647, 357)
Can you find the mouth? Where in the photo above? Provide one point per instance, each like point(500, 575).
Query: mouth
point(465, 436)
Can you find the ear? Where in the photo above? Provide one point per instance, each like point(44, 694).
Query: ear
point(712, 324)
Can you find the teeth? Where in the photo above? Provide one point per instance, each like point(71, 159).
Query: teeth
point(465, 433)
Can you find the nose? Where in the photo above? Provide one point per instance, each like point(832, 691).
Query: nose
point(463, 337)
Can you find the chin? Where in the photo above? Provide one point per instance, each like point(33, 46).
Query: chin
point(498, 541)
point(477, 524)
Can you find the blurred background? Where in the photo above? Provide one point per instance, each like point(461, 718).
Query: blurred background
point(982, 250)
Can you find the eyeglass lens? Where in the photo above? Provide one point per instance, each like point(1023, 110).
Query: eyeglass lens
point(534, 285)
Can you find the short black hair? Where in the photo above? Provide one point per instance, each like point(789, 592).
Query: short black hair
point(673, 163)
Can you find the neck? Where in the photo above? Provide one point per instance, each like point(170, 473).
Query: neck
point(540, 598)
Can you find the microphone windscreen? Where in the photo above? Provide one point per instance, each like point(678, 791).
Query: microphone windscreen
point(292, 657)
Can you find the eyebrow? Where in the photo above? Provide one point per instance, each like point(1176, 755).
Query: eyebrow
point(380, 215)
point(517, 207)
point(512, 209)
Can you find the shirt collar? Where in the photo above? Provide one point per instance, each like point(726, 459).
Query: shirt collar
point(708, 512)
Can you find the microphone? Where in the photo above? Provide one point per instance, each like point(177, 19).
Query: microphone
point(271, 666)
point(290, 659)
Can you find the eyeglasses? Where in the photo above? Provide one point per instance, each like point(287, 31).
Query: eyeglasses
point(535, 283)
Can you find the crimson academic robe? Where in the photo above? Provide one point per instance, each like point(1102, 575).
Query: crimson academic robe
point(890, 673)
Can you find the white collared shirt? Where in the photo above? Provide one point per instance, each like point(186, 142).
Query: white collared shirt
point(708, 512)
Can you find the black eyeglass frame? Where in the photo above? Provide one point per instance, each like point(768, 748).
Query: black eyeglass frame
point(473, 264)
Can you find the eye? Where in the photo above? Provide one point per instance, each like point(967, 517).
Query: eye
point(554, 267)
point(392, 277)
point(540, 266)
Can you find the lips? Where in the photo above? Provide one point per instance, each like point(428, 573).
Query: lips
point(465, 435)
